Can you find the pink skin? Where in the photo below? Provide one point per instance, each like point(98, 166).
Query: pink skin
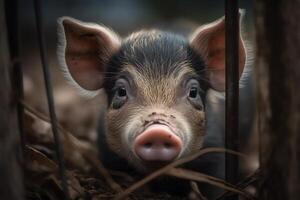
point(157, 143)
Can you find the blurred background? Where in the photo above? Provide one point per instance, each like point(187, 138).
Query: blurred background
point(123, 16)
point(76, 113)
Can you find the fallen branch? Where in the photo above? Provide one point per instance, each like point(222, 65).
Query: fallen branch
point(170, 166)
point(200, 177)
point(196, 190)
point(89, 154)
point(252, 178)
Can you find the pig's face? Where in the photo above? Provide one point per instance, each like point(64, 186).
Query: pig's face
point(155, 83)
point(156, 112)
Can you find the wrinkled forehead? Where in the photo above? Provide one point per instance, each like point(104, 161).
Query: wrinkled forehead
point(142, 77)
point(155, 88)
point(158, 55)
point(160, 52)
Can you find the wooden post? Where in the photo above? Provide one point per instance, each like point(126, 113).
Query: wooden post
point(11, 183)
point(278, 97)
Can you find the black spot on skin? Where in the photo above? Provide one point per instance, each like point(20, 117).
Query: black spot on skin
point(164, 115)
point(154, 113)
point(172, 116)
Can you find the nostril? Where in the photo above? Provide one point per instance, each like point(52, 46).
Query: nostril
point(148, 145)
point(168, 145)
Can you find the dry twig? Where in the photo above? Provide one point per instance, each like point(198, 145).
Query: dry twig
point(252, 178)
point(200, 177)
point(168, 167)
point(196, 190)
point(88, 154)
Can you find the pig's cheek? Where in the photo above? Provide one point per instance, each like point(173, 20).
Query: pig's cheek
point(196, 120)
point(198, 131)
point(128, 135)
point(200, 119)
point(184, 132)
point(115, 128)
point(123, 130)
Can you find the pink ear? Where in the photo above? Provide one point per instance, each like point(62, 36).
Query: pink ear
point(84, 50)
point(209, 42)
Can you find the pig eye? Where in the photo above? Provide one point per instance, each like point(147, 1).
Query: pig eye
point(193, 92)
point(120, 94)
point(120, 98)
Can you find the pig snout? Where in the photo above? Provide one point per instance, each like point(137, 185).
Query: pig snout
point(157, 143)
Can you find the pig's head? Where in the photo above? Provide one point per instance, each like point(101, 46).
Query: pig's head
point(155, 83)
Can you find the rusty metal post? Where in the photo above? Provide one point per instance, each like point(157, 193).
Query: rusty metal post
point(49, 91)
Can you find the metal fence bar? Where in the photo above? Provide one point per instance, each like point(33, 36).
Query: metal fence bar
point(232, 89)
point(12, 23)
point(47, 78)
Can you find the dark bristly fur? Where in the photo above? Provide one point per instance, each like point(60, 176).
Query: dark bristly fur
point(163, 54)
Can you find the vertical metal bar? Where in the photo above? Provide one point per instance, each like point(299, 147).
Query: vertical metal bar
point(232, 89)
point(12, 21)
point(58, 144)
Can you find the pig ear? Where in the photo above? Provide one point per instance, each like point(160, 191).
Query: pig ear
point(83, 52)
point(209, 42)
